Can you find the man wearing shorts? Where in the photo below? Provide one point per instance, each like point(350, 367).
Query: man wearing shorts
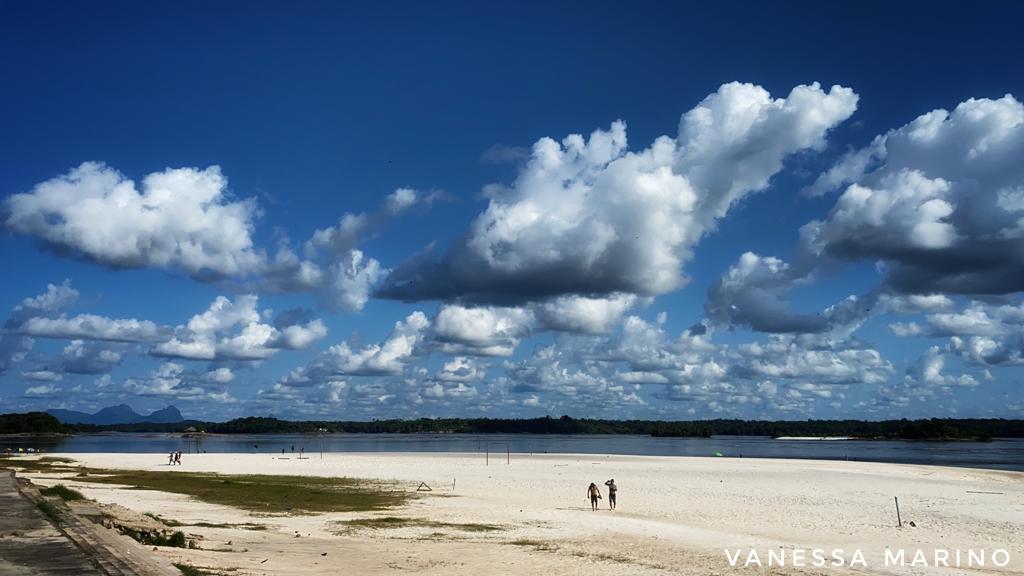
point(594, 493)
point(612, 489)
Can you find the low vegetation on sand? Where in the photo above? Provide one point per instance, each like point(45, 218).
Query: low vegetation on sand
point(157, 538)
point(385, 522)
point(44, 464)
point(176, 523)
point(539, 545)
point(263, 494)
point(188, 570)
point(62, 491)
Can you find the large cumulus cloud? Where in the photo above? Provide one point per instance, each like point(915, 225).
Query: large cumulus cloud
point(939, 200)
point(186, 220)
point(938, 204)
point(180, 219)
point(586, 216)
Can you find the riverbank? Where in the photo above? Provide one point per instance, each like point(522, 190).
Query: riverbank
point(675, 515)
point(1004, 454)
point(818, 438)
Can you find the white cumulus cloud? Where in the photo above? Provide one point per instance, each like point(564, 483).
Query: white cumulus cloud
point(938, 200)
point(584, 314)
point(482, 331)
point(388, 357)
point(93, 327)
point(586, 216)
point(235, 330)
point(180, 219)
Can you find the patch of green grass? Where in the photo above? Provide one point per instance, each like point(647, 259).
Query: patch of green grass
point(57, 460)
point(50, 512)
point(189, 570)
point(42, 465)
point(155, 538)
point(435, 536)
point(67, 494)
point(385, 522)
point(264, 494)
point(535, 544)
point(243, 526)
point(613, 558)
point(619, 559)
point(177, 540)
point(175, 523)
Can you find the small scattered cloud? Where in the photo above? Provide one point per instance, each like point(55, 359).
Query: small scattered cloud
point(235, 330)
point(388, 357)
point(502, 154)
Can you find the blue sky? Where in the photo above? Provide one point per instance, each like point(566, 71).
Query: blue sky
point(806, 210)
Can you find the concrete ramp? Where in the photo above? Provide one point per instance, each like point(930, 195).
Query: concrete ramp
point(31, 545)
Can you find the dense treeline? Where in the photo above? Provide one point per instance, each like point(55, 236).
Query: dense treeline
point(31, 423)
point(936, 428)
point(142, 427)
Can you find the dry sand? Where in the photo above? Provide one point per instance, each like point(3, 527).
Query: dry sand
point(675, 515)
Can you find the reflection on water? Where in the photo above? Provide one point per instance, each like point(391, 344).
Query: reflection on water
point(1007, 454)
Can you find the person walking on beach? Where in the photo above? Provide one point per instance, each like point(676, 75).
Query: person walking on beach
point(177, 457)
point(594, 493)
point(170, 459)
point(612, 489)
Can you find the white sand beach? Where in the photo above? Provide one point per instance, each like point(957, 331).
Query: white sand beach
point(675, 515)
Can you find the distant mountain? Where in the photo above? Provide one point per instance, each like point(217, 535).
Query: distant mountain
point(120, 414)
point(169, 415)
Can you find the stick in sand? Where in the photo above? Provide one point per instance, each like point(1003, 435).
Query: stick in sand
point(898, 520)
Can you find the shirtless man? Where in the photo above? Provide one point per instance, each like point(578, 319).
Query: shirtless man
point(594, 493)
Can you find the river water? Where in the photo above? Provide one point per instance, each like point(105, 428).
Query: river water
point(1005, 454)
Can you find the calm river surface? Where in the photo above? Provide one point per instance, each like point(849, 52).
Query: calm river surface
point(1005, 454)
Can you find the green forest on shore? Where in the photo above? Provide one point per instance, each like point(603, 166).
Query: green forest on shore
point(926, 429)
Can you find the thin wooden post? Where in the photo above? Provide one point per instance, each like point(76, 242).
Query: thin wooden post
point(487, 458)
point(898, 519)
point(508, 455)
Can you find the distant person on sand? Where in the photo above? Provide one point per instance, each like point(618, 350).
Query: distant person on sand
point(177, 457)
point(594, 493)
point(170, 459)
point(612, 489)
